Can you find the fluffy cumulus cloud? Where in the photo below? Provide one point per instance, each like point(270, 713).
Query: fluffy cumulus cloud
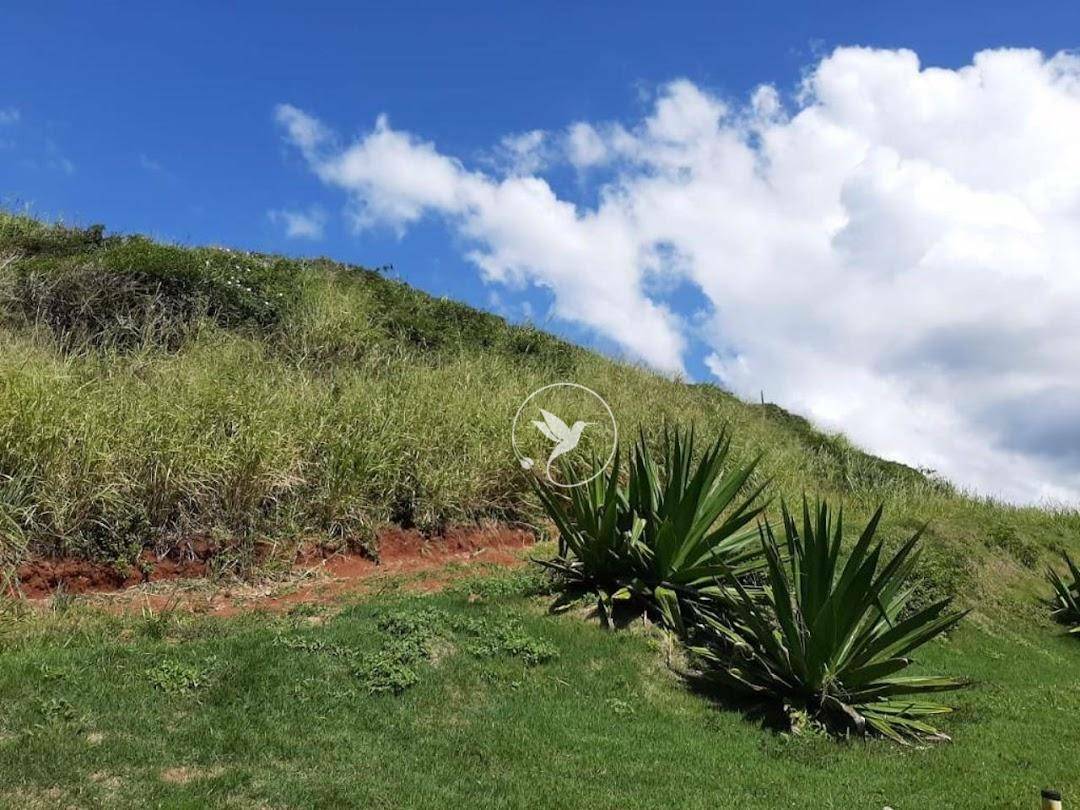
point(893, 250)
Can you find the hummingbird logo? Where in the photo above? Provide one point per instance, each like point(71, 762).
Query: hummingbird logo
point(565, 438)
point(561, 397)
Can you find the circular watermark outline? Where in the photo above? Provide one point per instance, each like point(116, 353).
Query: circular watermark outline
point(527, 462)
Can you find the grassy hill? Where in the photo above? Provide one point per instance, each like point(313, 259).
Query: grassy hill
point(149, 392)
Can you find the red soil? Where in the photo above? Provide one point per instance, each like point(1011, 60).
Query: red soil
point(42, 576)
point(401, 551)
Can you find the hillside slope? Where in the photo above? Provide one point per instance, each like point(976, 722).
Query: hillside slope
point(149, 392)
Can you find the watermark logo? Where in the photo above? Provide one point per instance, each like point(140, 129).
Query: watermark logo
point(564, 421)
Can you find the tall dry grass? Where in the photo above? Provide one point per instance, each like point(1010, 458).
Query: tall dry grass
point(148, 392)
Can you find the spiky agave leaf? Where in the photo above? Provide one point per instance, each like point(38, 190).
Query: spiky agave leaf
point(1066, 599)
point(668, 536)
point(695, 517)
point(594, 542)
point(830, 638)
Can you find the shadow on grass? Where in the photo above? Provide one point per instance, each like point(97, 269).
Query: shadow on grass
point(769, 715)
point(623, 615)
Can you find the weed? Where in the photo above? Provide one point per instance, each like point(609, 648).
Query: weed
point(57, 709)
point(489, 638)
point(318, 646)
point(620, 707)
point(175, 677)
point(49, 673)
point(419, 624)
point(394, 667)
point(61, 600)
point(156, 624)
point(391, 669)
point(411, 637)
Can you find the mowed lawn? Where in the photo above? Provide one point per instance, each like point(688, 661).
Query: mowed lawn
point(511, 707)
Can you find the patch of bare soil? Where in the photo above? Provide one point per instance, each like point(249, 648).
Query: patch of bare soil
point(317, 577)
point(42, 576)
point(182, 775)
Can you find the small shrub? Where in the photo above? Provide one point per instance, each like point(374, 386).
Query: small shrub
point(530, 342)
point(827, 641)
point(131, 292)
point(1005, 537)
point(238, 288)
point(25, 236)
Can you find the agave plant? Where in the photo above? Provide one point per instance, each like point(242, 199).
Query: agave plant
point(831, 637)
point(1066, 599)
point(669, 535)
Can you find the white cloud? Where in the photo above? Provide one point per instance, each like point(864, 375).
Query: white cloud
point(9, 116)
point(585, 146)
point(308, 224)
point(523, 153)
point(303, 130)
point(523, 232)
point(896, 253)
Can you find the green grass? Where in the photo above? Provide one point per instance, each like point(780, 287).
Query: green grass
point(149, 392)
point(275, 711)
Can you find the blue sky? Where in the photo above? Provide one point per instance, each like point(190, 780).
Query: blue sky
point(165, 119)
point(165, 110)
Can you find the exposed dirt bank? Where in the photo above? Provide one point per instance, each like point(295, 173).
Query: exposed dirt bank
point(316, 576)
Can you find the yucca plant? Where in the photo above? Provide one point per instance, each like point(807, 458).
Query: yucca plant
point(1066, 599)
point(668, 535)
point(831, 636)
point(594, 544)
